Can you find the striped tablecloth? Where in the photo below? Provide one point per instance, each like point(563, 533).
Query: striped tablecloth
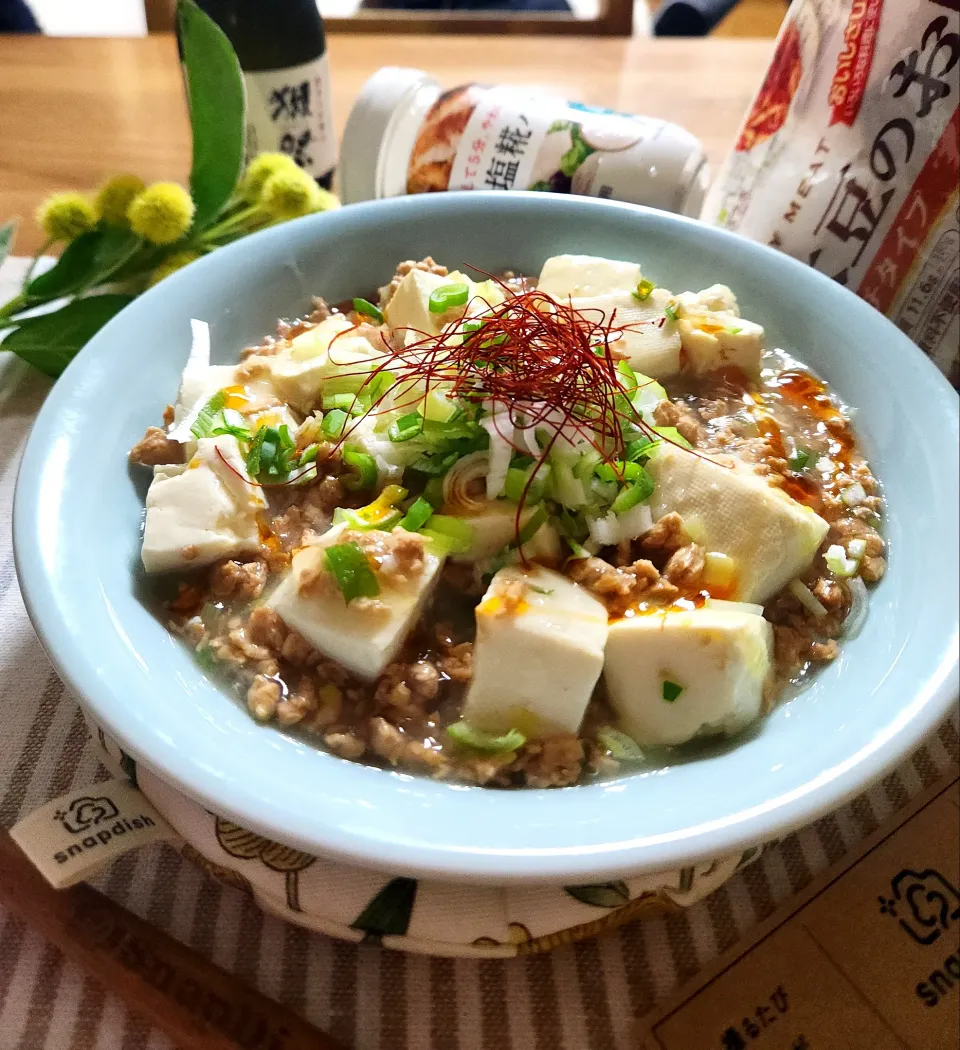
point(582, 997)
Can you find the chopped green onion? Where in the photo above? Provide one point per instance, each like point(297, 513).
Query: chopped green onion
point(240, 433)
point(622, 747)
point(628, 373)
point(447, 296)
point(352, 571)
point(457, 533)
point(673, 435)
point(670, 312)
point(231, 422)
point(619, 471)
point(362, 306)
point(539, 590)
point(838, 562)
point(272, 453)
point(853, 495)
point(475, 739)
point(857, 548)
point(440, 544)
point(206, 657)
point(471, 326)
point(435, 465)
point(372, 390)
point(253, 453)
point(733, 331)
point(406, 427)
point(532, 526)
point(640, 447)
point(309, 455)
point(364, 468)
point(334, 422)
point(799, 461)
point(517, 479)
point(629, 496)
point(671, 691)
point(420, 512)
point(381, 514)
point(433, 492)
point(204, 423)
point(349, 403)
point(385, 523)
point(643, 290)
point(639, 487)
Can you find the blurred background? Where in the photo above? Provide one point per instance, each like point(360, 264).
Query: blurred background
point(747, 18)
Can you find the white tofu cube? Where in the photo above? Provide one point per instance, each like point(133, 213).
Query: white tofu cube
point(650, 340)
point(714, 340)
point(538, 654)
point(409, 306)
point(771, 537)
point(718, 298)
point(720, 660)
point(362, 635)
point(320, 360)
point(713, 333)
point(581, 276)
point(201, 512)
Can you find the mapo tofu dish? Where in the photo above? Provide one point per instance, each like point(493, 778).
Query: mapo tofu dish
point(510, 531)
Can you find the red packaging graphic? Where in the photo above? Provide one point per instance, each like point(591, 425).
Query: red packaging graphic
point(849, 159)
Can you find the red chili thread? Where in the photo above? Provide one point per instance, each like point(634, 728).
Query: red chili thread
point(542, 361)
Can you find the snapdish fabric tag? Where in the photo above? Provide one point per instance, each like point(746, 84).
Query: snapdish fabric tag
point(74, 835)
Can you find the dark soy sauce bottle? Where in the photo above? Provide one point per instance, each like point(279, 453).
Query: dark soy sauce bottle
point(282, 51)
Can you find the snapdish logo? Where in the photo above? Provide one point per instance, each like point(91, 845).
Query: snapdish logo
point(85, 814)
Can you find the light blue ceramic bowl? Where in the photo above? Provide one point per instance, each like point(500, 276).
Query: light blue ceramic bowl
point(77, 524)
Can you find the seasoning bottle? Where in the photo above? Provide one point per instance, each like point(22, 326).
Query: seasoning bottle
point(406, 135)
point(282, 50)
point(847, 159)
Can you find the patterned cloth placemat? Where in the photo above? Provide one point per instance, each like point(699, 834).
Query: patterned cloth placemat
point(583, 996)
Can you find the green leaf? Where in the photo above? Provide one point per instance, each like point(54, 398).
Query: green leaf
point(87, 261)
point(390, 911)
point(601, 895)
point(70, 270)
point(117, 247)
point(7, 231)
point(50, 342)
point(216, 99)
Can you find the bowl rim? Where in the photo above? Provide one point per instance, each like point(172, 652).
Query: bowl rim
point(919, 714)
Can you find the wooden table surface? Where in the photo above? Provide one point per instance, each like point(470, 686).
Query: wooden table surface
point(73, 111)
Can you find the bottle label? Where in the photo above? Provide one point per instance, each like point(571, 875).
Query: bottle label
point(504, 139)
point(288, 111)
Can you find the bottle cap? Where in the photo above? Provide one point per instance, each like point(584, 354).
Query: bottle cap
point(385, 112)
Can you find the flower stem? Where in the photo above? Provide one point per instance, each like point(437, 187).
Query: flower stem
point(33, 265)
point(17, 303)
point(227, 225)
